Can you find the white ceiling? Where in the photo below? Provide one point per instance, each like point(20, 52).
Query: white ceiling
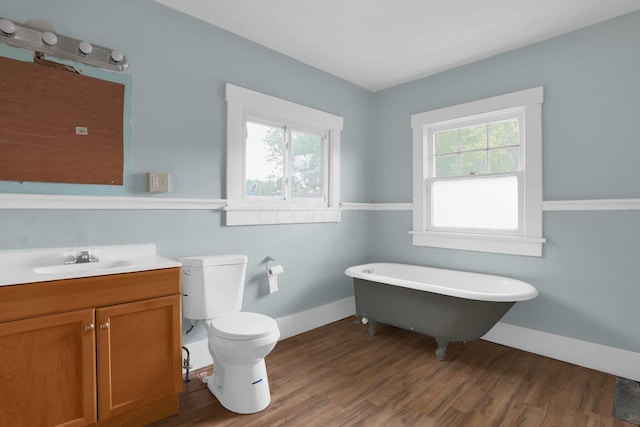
point(381, 43)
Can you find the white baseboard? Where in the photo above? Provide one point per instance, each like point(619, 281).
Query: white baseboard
point(307, 320)
point(615, 361)
point(289, 326)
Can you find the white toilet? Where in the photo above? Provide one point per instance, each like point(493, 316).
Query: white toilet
point(212, 288)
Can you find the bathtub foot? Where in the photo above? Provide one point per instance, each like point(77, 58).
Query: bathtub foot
point(441, 352)
point(372, 327)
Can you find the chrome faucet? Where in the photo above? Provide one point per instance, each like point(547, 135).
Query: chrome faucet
point(85, 256)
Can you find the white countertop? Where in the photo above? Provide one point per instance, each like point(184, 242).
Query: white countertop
point(21, 266)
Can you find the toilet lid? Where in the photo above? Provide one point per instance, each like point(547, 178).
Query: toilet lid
point(243, 326)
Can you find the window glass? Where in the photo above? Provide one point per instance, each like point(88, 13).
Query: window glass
point(446, 142)
point(478, 150)
point(490, 203)
point(447, 165)
point(264, 160)
point(504, 160)
point(481, 201)
point(473, 138)
point(307, 165)
point(504, 133)
point(473, 162)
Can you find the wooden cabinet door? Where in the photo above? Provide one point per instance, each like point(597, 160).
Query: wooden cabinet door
point(139, 354)
point(47, 371)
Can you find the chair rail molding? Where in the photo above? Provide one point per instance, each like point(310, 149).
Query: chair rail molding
point(376, 206)
point(592, 205)
point(547, 206)
point(50, 201)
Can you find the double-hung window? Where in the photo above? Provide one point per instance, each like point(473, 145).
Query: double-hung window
point(282, 161)
point(478, 175)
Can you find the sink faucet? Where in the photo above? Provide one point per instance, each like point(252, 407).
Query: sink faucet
point(85, 256)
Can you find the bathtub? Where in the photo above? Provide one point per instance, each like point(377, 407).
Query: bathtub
point(448, 305)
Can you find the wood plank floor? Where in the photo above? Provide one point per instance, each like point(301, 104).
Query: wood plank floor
point(338, 375)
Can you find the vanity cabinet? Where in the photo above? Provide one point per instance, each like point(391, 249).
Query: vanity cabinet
point(102, 350)
point(47, 371)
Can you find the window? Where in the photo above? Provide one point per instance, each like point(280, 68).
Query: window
point(283, 161)
point(478, 175)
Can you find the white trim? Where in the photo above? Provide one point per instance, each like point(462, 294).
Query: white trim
point(289, 326)
point(547, 206)
point(56, 201)
point(376, 206)
point(50, 201)
point(262, 215)
point(533, 170)
point(592, 205)
point(511, 245)
point(313, 318)
point(277, 108)
point(615, 361)
point(521, 98)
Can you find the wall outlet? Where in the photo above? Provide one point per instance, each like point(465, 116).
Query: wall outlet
point(157, 182)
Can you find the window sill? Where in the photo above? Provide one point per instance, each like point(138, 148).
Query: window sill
point(529, 246)
point(264, 215)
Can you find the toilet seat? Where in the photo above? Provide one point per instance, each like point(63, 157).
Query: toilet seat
point(242, 326)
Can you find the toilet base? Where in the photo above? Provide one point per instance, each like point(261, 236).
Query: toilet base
point(243, 389)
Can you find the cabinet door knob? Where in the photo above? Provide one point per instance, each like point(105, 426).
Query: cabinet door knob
point(104, 325)
point(89, 327)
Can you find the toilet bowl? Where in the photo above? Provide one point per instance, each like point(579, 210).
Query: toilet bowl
point(238, 344)
point(238, 341)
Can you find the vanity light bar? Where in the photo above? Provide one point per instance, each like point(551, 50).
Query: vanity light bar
point(42, 40)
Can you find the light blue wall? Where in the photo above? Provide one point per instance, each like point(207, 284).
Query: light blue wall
point(178, 68)
point(588, 278)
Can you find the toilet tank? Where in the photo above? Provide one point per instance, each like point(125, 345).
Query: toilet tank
point(212, 285)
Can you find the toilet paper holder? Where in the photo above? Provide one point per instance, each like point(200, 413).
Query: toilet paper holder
point(267, 260)
point(273, 271)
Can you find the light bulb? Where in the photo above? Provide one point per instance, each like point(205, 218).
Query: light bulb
point(7, 27)
point(49, 38)
point(85, 47)
point(117, 56)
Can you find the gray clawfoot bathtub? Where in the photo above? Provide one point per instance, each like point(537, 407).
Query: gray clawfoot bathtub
point(448, 305)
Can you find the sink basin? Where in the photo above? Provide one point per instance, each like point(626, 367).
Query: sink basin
point(78, 268)
point(24, 266)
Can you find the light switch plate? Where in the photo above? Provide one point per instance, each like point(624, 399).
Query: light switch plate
point(157, 182)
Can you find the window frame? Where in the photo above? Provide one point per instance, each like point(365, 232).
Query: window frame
point(247, 105)
point(528, 239)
